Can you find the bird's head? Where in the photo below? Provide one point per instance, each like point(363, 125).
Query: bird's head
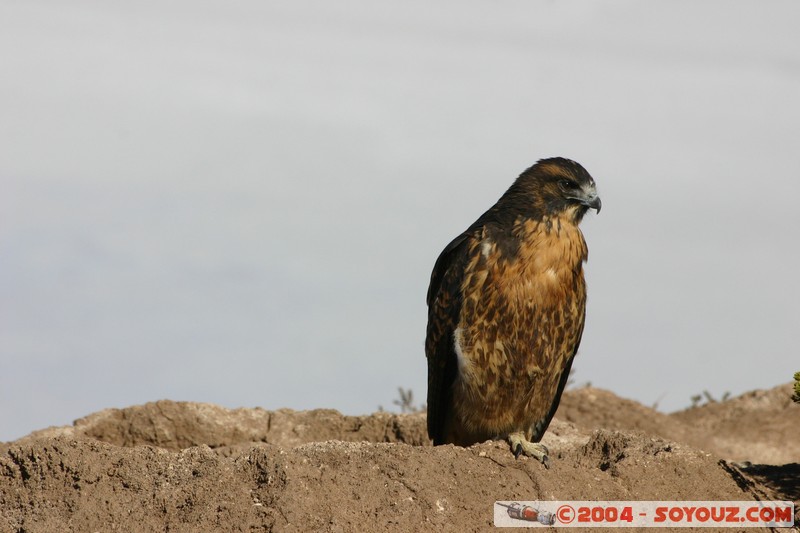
point(556, 187)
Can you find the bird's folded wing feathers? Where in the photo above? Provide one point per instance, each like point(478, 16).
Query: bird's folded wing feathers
point(444, 308)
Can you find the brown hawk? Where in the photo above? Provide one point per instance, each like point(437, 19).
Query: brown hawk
point(506, 308)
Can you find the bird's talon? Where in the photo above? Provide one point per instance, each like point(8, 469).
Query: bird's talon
point(520, 445)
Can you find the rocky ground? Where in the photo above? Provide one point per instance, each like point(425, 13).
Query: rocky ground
point(176, 466)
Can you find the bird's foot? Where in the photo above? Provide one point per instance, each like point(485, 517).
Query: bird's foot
point(521, 445)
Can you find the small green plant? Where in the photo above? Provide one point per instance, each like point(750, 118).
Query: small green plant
point(654, 407)
point(697, 399)
point(796, 395)
point(571, 380)
point(406, 402)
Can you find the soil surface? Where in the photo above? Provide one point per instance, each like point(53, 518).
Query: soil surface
point(177, 466)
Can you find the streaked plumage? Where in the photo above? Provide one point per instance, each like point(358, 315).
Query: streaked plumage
point(506, 307)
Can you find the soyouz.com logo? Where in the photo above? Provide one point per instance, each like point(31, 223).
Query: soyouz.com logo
point(585, 514)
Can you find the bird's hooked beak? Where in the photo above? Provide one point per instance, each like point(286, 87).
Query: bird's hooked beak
point(588, 197)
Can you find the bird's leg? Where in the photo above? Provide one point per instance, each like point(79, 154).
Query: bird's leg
point(520, 444)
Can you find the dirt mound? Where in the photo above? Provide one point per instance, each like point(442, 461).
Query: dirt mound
point(592, 408)
point(176, 466)
point(178, 425)
point(759, 427)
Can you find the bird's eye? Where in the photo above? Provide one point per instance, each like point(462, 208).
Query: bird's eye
point(567, 184)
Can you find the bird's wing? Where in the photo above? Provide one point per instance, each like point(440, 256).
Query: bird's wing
point(541, 427)
point(444, 307)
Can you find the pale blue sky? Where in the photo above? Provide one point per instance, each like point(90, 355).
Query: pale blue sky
point(240, 202)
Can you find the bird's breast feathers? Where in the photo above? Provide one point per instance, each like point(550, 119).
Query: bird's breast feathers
point(548, 256)
point(522, 316)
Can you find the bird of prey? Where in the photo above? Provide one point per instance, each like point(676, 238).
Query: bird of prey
point(506, 308)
